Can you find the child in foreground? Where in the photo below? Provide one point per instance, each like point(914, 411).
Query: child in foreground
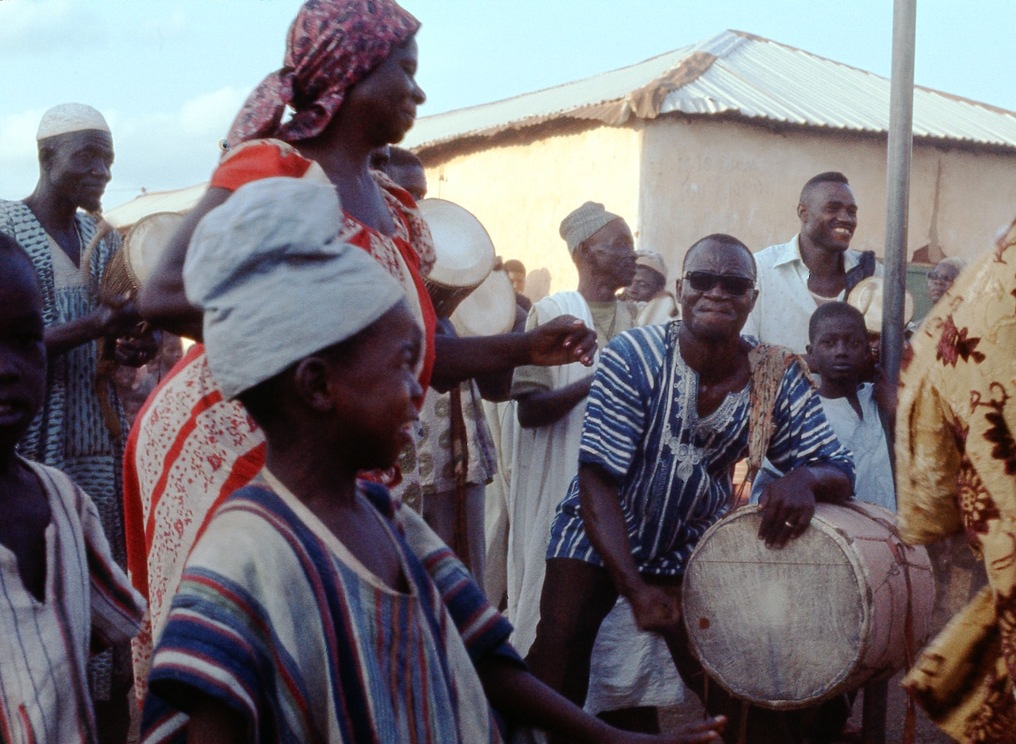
point(61, 593)
point(838, 345)
point(314, 608)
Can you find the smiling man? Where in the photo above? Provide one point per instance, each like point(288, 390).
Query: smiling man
point(667, 418)
point(80, 426)
point(814, 267)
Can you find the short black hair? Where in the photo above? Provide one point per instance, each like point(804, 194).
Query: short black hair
point(830, 310)
point(827, 177)
point(722, 239)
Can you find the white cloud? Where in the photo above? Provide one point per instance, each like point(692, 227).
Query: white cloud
point(19, 164)
point(159, 151)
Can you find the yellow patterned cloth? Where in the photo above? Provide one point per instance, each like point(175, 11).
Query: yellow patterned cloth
point(956, 469)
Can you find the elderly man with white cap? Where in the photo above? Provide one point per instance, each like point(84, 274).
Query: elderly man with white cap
point(551, 404)
point(80, 427)
point(649, 289)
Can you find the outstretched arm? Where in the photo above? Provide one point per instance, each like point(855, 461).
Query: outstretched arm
point(520, 695)
point(544, 407)
point(109, 320)
point(563, 340)
point(162, 299)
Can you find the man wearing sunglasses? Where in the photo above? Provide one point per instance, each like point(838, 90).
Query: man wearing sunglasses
point(667, 418)
point(814, 267)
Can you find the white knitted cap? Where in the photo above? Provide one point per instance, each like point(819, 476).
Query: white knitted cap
point(70, 117)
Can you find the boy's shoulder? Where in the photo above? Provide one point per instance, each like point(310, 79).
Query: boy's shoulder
point(56, 482)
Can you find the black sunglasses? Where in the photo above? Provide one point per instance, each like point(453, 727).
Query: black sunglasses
point(703, 281)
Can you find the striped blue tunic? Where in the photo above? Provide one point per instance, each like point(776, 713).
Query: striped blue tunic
point(674, 468)
point(278, 620)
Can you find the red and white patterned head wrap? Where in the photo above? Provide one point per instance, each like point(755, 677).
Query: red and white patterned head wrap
point(332, 45)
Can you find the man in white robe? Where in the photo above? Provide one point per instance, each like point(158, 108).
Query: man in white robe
point(626, 671)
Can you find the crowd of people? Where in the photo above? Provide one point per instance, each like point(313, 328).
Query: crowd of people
point(336, 520)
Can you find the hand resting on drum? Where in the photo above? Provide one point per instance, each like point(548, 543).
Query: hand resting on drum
point(788, 503)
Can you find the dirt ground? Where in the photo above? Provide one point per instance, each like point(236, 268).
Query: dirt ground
point(896, 705)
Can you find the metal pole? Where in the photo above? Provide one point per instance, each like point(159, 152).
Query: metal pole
point(901, 135)
point(901, 118)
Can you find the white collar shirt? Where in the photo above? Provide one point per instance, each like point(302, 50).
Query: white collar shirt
point(785, 303)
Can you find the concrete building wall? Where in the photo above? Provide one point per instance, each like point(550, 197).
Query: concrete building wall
point(521, 191)
point(709, 175)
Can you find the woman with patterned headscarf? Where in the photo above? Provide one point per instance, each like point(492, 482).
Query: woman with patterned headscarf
point(347, 87)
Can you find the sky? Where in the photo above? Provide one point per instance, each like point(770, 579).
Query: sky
point(169, 75)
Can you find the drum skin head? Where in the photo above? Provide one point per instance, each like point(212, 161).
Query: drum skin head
point(465, 252)
point(145, 242)
point(789, 628)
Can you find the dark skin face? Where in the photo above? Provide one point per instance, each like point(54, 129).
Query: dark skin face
point(714, 314)
point(828, 215)
point(646, 284)
point(22, 349)
point(24, 509)
point(610, 254)
point(375, 392)
point(77, 166)
point(388, 96)
point(518, 279)
point(940, 280)
point(840, 352)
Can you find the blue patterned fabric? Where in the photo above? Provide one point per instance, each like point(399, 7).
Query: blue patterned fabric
point(69, 432)
point(674, 468)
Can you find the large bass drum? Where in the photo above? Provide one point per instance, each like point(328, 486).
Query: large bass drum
point(842, 604)
point(464, 254)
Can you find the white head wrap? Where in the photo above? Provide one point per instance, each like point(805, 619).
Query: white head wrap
point(583, 222)
point(70, 117)
point(651, 260)
point(277, 283)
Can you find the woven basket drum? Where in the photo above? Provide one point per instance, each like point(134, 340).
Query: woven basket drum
point(841, 605)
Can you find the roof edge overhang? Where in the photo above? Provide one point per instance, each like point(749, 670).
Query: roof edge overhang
point(610, 114)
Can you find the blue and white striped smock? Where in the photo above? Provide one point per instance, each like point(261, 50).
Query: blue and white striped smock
point(674, 468)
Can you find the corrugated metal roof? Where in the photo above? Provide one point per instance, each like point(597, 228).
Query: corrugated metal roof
point(734, 73)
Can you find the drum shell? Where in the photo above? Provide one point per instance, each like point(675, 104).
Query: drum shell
point(791, 627)
point(139, 252)
point(489, 310)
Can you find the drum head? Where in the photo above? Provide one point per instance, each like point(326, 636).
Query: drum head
point(145, 242)
point(465, 253)
point(779, 628)
point(489, 309)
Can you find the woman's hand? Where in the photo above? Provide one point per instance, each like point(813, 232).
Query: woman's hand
point(563, 340)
